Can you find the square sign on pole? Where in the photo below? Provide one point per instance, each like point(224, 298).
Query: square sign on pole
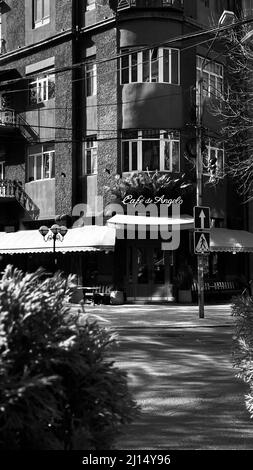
point(201, 218)
point(202, 243)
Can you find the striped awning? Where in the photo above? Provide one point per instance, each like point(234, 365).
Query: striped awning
point(88, 238)
point(224, 239)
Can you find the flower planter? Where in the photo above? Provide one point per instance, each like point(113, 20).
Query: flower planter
point(185, 296)
point(116, 297)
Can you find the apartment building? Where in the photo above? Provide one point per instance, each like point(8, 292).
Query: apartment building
point(93, 89)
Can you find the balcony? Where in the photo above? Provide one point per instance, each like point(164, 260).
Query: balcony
point(9, 120)
point(125, 4)
point(10, 190)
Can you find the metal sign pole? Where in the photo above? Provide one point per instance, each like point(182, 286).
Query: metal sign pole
point(199, 173)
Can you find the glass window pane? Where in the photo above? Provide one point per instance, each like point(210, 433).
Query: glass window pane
point(125, 69)
point(154, 65)
point(46, 11)
point(158, 266)
point(166, 65)
point(52, 165)
point(38, 161)
point(150, 155)
point(46, 165)
point(212, 86)
point(37, 10)
point(88, 161)
point(125, 156)
point(30, 168)
point(219, 86)
point(134, 156)
point(134, 68)
point(142, 266)
point(94, 161)
point(175, 156)
point(167, 164)
point(174, 67)
point(33, 93)
point(51, 87)
point(220, 162)
point(145, 66)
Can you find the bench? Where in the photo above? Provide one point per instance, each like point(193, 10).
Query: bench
point(98, 293)
point(224, 290)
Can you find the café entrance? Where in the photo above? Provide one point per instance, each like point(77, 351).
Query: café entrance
point(148, 273)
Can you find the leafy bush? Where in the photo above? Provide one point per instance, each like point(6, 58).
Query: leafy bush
point(242, 309)
point(58, 389)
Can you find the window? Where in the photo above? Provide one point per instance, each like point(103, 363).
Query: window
point(89, 163)
point(41, 162)
point(2, 170)
point(91, 78)
point(212, 78)
point(42, 89)
point(151, 150)
point(41, 12)
point(213, 162)
point(90, 5)
point(152, 65)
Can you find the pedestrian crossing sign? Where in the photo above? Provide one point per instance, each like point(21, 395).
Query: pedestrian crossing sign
point(202, 243)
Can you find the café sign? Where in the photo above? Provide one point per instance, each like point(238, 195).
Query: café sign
point(130, 199)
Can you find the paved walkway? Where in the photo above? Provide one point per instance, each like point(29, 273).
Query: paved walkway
point(160, 316)
point(180, 372)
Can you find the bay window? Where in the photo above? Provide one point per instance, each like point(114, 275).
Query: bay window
point(150, 150)
point(157, 65)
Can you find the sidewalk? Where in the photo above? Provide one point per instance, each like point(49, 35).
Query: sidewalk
point(180, 371)
point(160, 316)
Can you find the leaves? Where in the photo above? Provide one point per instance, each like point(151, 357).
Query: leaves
point(58, 390)
point(242, 309)
point(150, 185)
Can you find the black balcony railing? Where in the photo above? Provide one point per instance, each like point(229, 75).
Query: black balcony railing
point(9, 118)
point(124, 4)
point(12, 189)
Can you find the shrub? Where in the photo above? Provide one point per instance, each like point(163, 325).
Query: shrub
point(58, 388)
point(242, 309)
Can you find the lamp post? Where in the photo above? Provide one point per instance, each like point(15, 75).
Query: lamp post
point(56, 232)
point(227, 17)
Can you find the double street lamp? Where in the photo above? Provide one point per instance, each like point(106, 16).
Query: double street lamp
point(56, 232)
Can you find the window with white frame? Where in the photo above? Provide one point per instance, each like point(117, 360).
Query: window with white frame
point(41, 162)
point(90, 5)
point(2, 175)
point(42, 88)
point(214, 156)
point(91, 78)
point(41, 12)
point(212, 74)
point(89, 157)
point(144, 150)
point(160, 65)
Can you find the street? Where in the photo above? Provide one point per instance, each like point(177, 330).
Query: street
point(180, 372)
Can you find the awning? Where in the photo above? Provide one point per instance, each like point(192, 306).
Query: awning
point(223, 239)
point(184, 222)
point(88, 238)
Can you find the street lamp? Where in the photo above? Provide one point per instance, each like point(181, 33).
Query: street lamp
point(227, 17)
point(56, 232)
